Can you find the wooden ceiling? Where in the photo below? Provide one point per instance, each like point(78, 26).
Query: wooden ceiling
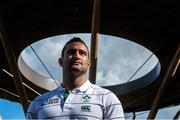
point(153, 24)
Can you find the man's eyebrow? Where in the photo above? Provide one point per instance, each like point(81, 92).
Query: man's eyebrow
point(77, 49)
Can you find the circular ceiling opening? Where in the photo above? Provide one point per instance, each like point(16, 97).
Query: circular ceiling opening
point(120, 61)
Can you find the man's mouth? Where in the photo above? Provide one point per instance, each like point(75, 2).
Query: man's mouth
point(76, 63)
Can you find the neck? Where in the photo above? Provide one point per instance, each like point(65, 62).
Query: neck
point(73, 82)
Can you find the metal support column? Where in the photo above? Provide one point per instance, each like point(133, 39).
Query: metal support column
point(94, 40)
point(154, 107)
point(13, 67)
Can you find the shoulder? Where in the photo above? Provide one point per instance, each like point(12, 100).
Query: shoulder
point(42, 98)
point(101, 90)
point(47, 95)
point(109, 96)
point(38, 102)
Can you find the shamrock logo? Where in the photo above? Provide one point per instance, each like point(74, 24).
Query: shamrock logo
point(86, 98)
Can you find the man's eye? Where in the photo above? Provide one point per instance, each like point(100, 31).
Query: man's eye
point(71, 51)
point(82, 52)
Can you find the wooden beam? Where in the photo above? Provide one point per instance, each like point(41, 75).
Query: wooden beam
point(94, 40)
point(163, 86)
point(13, 67)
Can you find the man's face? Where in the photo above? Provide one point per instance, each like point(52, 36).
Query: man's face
point(76, 58)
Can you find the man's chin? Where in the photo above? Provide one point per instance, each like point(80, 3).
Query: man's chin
point(75, 68)
point(75, 72)
point(78, 70)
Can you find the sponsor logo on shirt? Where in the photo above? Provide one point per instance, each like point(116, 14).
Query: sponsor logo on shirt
point(85, 108)
point(50, 101)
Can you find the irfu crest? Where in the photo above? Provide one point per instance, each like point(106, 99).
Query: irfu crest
point(86, 98)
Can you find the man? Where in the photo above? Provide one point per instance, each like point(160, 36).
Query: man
point(76, 98)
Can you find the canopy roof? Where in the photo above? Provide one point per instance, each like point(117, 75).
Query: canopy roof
point(154, 24)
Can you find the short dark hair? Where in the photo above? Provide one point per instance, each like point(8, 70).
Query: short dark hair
point(74, 39)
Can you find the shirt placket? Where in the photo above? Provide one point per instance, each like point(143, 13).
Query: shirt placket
point(68, 101)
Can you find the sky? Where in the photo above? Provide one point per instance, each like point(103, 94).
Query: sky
point(118, 60)
point(115, 65)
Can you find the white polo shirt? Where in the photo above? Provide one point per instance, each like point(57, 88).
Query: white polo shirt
point(86, 102)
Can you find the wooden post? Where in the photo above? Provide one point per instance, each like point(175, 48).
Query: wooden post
point(170, 70)
point(94, 40)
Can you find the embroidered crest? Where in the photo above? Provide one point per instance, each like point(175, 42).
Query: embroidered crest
point(86, 98)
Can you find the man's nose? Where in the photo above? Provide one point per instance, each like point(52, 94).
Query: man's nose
point(76, 54)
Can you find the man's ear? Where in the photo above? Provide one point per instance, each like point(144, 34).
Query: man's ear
point(89, 64)
point(60, 62)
